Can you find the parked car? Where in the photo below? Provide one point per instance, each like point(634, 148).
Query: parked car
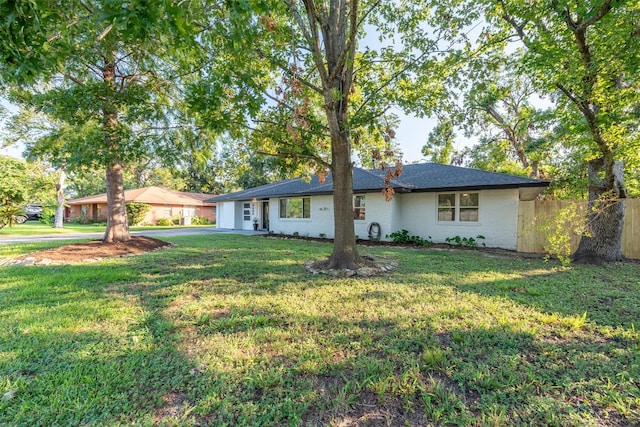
point(33, 211)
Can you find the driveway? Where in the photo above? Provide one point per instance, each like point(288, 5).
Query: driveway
point(150, 233)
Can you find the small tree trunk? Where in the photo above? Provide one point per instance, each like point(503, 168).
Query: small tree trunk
point(117, 226)
point(59, 217)
point(605, 216)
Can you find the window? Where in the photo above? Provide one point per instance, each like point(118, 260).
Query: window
point(469, 207)
point(446, 207)
point(246, 211)
point(463, 206)
point(295, 208)
point(358, 207)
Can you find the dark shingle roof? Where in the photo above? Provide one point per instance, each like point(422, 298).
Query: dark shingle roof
point(422, 177)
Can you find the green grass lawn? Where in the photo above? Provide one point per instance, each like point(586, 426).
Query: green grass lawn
point(231, 330)
point(31, 228)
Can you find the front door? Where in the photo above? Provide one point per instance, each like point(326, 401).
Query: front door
point(265, 215)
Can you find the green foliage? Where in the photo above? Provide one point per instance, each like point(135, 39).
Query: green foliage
point(14, 181)
point(197, 220)
point(10, 215)
point(164, 222)
point(403, 236)
point(560, 230)
point(48, 213)
point(23, 182)
point(136, 212)
point(81, 219)
point(466, 242)
point(445, 326)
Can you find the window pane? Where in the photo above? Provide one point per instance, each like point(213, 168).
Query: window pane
point(469, 214)
point(283, 208)
point(446, 200)
point(446, 214)
point(306, 208)
point(295, 208)
point(469, 199)
point(359, 207)
point(446, 207)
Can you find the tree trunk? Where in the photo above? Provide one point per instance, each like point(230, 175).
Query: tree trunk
point(59, 217)
point(117, 227)
point(605, 216)
point(345, 252)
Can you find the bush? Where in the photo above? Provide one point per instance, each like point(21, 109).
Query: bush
point(48, 214)
point(11, 215)
point(197, 220)
point(136, 212)
point(81, 219)
point(559, 230)
point(164, 222)
point(403, 236)
point(466, 242)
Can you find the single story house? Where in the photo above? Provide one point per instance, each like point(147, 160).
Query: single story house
point(431, 201)
point(164, 203)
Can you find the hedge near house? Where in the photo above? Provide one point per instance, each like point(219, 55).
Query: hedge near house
point(136, 212)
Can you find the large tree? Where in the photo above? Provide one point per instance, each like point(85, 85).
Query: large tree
point(322, 95)
point(587, 52)
point(104, 77)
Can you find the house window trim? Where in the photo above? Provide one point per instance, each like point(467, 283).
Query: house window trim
point(457, 208)
point(301, 218)
point(362, 207)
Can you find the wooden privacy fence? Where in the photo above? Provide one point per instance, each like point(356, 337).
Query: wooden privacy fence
point(532, 215)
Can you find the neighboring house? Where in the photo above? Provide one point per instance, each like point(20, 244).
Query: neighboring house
point(431, 201)
point(164, 203)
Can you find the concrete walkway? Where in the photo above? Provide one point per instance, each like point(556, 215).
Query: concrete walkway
point(149, 233)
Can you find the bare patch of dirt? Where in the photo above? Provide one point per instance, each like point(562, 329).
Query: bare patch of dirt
point(171, 408)
point(90, 251)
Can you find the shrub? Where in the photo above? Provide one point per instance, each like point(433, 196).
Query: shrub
point(403, 236)
point(164, 222)
point(196, 220)
point(11, 215)
point(80, 219)
point(466, 242)
point(136, 212)
point(559, 230)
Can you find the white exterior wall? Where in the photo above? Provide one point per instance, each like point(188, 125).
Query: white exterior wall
point(226, 214)
point(415, 212)
point(497, 218)
point(376, 210)
point(321, 220)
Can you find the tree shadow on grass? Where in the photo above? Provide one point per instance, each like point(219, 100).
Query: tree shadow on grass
point(77, 355)
point(609, 295)
point(249, 341)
